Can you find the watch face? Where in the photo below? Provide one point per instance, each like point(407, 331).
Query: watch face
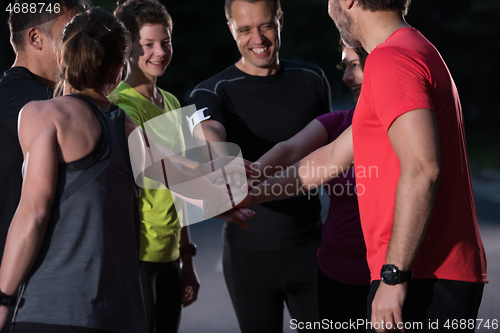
point(388, 274)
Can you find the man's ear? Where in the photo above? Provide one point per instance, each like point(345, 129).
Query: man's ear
point(280, 20)
point(34, 38)
point(349, 3)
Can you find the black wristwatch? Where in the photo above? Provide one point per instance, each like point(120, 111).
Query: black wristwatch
point(9, 301)
point(188, 249)
point(391, 275)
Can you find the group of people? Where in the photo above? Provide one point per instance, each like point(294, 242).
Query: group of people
point(88, 251)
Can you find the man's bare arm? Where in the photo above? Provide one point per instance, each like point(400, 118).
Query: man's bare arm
point(328, 162)
point(211, 131)
point(286, 153)
point(144, 149)
point(415, 139)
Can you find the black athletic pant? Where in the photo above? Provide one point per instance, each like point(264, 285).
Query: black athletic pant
point(339, 303)
point(162, 290)
point(46, 328)
point(259, 283)
point(432, 302)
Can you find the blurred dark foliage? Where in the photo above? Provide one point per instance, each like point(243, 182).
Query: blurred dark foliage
point(466, 33)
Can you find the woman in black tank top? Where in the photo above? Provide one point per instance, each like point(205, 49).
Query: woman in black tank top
point(74, 238)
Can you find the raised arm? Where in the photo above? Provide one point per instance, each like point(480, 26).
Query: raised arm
point(38, 138)
point(199, 187)
point(211, 132)
point(286, 153)
point(415, 139)
point(142, 150)
point(312, 171)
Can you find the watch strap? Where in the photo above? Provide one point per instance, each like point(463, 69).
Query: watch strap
point(6, 300)
point(405, 276)
point(391, 275)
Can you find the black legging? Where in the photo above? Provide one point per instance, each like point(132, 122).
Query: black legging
point(162, 290)
point(260, 282)
point(341, 303)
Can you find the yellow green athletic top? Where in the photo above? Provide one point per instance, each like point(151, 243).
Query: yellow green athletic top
point(160, 227)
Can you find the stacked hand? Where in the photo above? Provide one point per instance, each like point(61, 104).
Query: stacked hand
point(236, 170)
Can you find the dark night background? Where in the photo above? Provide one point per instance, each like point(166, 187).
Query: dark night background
point(467, 35)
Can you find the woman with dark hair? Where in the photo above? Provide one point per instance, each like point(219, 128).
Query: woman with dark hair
point(74, 238)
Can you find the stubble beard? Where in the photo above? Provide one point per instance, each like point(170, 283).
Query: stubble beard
point(345, 24)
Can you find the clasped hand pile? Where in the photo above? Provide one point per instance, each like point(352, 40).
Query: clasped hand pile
point(237, 185)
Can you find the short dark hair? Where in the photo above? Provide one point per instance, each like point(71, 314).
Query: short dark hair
point(42, 18)
point(385, 5)
point(136, 13)
point(275, 7)
point(94, 45)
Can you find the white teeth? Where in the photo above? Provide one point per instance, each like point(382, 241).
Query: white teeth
point(260, 50)
point(156, 62)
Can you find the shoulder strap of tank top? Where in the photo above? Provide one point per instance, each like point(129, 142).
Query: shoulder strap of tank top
point(89, 174)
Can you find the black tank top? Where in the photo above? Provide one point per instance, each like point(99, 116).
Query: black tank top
point(87, 271)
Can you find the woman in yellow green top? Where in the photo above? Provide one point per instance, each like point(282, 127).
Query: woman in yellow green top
point(167, 284)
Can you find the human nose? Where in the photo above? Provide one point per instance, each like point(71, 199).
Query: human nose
point(348, 75)
point(258, 36)
point(159, 51)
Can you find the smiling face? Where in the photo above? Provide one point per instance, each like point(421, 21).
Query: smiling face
point(256, 30)
point(152, 51)
point(353, 74)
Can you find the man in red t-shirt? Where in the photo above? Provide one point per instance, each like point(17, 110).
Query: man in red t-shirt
point(417, 212)
point(417, 207)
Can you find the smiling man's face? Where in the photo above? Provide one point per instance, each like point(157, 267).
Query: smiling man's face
point(256, 30)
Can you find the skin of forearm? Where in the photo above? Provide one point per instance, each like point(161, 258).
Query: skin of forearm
point(311, 172)
point(204, 189)
point(186, 161)
point(213, 135)
point(288, 152)
point(415, 198)
point(24, 239)
point(185, 235)
point(178, 158)
point(281, 155)
point(184, 241)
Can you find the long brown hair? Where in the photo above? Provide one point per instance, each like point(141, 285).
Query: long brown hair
point(94, 45)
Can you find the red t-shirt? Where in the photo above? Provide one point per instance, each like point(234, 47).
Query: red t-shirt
point(402, 74)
